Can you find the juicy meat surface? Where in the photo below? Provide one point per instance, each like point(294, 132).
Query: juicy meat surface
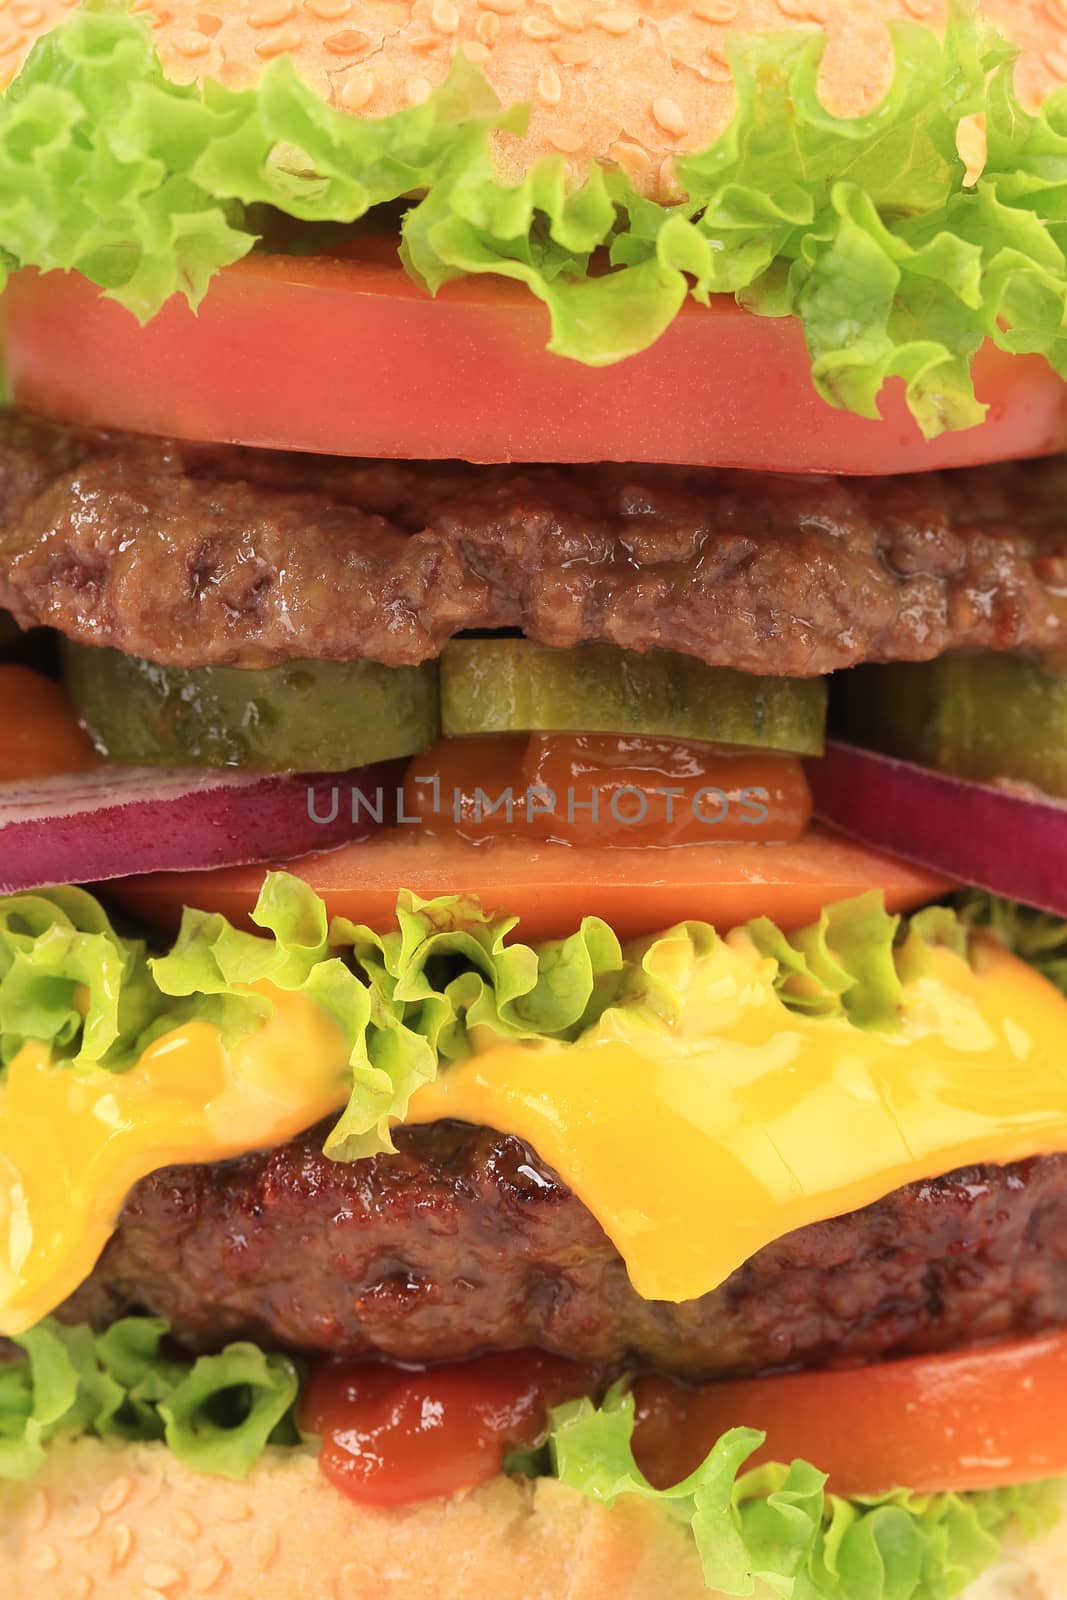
point(466, 1241)
point(196, 555)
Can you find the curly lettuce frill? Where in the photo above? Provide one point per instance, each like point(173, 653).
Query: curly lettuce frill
point(216, 1414)
point(866, 229)
point(777, 1531)
point(450, 978)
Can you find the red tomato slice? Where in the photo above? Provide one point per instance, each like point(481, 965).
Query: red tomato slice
point(353, 358)
point(973, 1419)
point(551, 887)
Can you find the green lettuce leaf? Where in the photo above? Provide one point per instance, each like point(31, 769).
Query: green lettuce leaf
point(406, 1001)
point(776, 1530)
point(216, 1414)
point(866, 229)
point(857, 960)
point(448, 980)
point(68, 981)
point(1037, 936)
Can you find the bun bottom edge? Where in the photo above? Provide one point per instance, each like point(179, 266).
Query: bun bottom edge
point(112, 1521)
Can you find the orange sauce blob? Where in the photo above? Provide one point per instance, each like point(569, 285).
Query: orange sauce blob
point(40, 736)
point(606, 789)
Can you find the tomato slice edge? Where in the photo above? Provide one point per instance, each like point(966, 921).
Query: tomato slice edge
point(335, 356)
point(980, 1418)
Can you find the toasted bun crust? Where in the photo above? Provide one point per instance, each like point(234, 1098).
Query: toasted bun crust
point(633, 82)
point(121, 1522)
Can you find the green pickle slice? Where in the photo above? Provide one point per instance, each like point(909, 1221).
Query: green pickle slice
point(516, 686)
point(306, 716)
point(984, 716)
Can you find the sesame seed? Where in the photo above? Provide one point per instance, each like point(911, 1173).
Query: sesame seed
point(187, 1523)
point(328, 10)
point(191, 44)
point(357, 89)
point(86, 1522)
point(276, 44)
point(349, 42)
point(44, 1558)
point(269, 13)
point(476, 52)
point(716, 67)
point(573, 52)
point(565, 140)
point(549, 87)
point(38, 1512)
point(444, 16)
point(504, 8)
point(121, 1544)
point(163, 1575)
point(669, 115)
point(539, 28)
point(668, 187)
point(567, 15)
point(715, 10)
point(634, 160)
point(206, 1574)
point(116, 1494)
point(418, 91)
point(487, 29)
point(617, 22)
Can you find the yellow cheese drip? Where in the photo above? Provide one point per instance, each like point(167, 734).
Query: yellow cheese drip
point(695, 1149)
point(72, 1144)
point(695, 1145)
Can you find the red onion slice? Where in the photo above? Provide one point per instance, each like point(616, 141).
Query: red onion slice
point(117, 821)
point(1010, 841)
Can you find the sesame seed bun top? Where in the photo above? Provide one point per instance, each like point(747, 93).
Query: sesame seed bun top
point(635, 82)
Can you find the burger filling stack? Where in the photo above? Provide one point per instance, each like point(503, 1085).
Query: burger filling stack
point(533, 799)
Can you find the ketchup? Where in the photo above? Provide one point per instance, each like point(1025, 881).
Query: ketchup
point(392, 1436)
point(604, 789)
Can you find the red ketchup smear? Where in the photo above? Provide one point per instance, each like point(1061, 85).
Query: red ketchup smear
point(391, 1436)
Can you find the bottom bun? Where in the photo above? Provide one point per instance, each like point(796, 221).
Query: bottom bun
point(107, 1521)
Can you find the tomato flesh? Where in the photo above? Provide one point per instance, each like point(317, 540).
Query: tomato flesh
point(972, 1419)
point(551, 887)
point(600, 789)
point(40, 736)
point(351, 357)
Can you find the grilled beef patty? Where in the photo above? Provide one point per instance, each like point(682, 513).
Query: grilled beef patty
point(199, 555)
point(466, 1241)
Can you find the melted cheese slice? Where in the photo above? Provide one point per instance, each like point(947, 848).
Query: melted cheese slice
point(695, 1145)
point(72, 1144)
point(697, 1148)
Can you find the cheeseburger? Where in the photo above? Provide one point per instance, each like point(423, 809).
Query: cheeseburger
point(533, 760)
